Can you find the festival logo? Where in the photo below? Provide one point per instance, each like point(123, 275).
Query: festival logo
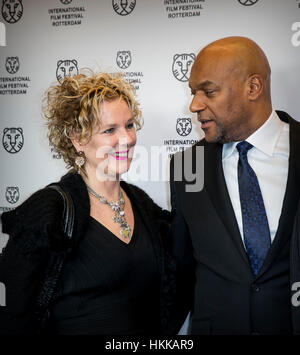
point(14, 84)
point(123, 59)
point(12, 194)
point(66, 68)
point(12, 64)
point(182, 64)
point(65, 16)
point(179, 9)
point(13, 140)
point(12, 10)
point(184, 126)
point(247, 2)
point(123, 7)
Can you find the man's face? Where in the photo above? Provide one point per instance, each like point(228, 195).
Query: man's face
point(220, 99)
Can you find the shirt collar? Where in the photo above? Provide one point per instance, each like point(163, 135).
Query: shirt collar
point(263, 139)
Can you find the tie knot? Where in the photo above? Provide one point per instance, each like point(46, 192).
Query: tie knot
point(243, 147)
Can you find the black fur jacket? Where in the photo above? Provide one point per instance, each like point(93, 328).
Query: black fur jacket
point(34, 230)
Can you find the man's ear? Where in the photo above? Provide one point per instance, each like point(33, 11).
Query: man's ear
point(255, 86)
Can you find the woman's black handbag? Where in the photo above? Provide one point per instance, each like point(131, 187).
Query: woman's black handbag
point(55, 264)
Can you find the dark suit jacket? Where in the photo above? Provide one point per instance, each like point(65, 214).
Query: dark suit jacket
point(215, 277)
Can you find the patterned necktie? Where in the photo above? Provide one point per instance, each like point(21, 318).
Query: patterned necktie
point(255, 223)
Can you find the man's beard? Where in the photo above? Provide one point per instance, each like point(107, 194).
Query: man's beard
point(225, 135)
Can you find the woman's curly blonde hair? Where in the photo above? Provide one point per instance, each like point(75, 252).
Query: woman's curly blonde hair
point(71, 109)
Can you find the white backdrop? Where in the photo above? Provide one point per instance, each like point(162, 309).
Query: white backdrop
point(144, 39)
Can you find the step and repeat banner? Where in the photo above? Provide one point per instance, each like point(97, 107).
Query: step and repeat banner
point(154, 44)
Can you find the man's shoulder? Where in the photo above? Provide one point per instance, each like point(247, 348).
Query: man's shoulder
point(294, 127)
point(285, 117)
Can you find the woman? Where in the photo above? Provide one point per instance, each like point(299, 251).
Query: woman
point(114, 279)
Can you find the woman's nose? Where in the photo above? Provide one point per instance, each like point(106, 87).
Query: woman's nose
point(127, 137)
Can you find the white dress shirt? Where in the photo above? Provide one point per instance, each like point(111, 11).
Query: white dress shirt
point(269, 158)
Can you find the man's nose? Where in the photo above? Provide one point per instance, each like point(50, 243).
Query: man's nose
point(197, 104)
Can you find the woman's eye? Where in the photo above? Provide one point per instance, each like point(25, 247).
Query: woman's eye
point(130, 125)
point(110, 130)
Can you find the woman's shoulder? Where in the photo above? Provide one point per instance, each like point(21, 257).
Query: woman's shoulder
point(42, 208)
point(37, 223)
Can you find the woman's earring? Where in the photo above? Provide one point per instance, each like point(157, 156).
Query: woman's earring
point(80, 159)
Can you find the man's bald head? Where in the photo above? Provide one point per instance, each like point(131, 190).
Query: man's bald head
point(242, 53)
point(230, 81)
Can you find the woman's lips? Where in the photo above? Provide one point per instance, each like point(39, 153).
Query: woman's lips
point(121, 155)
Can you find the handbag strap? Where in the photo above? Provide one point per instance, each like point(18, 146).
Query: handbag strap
point(55, 263)
point(68, 212)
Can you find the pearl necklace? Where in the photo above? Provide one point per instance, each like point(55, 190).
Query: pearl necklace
point(118, 209)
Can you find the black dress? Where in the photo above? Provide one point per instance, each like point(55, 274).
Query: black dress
point(108, 286)
point(103, 276)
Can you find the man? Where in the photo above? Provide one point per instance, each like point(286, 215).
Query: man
point(235, 234)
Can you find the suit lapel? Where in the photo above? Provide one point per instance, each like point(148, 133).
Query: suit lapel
point(217, 189)
point(291, 196)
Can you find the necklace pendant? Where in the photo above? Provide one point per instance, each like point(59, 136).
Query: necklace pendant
point(125, 233)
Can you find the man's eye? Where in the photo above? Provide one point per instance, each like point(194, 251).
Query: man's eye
point(209, 92)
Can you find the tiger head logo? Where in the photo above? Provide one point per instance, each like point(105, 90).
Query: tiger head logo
point(13, 140)
point(12, 64)
point(123, 7)
point(182, 64)
point(248, 2)
point(12, 194)
point(12, 10)
point(66, 68)
point(184, 126)
point(123, 59)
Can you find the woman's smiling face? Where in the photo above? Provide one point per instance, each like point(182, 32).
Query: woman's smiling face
point(110, 149)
